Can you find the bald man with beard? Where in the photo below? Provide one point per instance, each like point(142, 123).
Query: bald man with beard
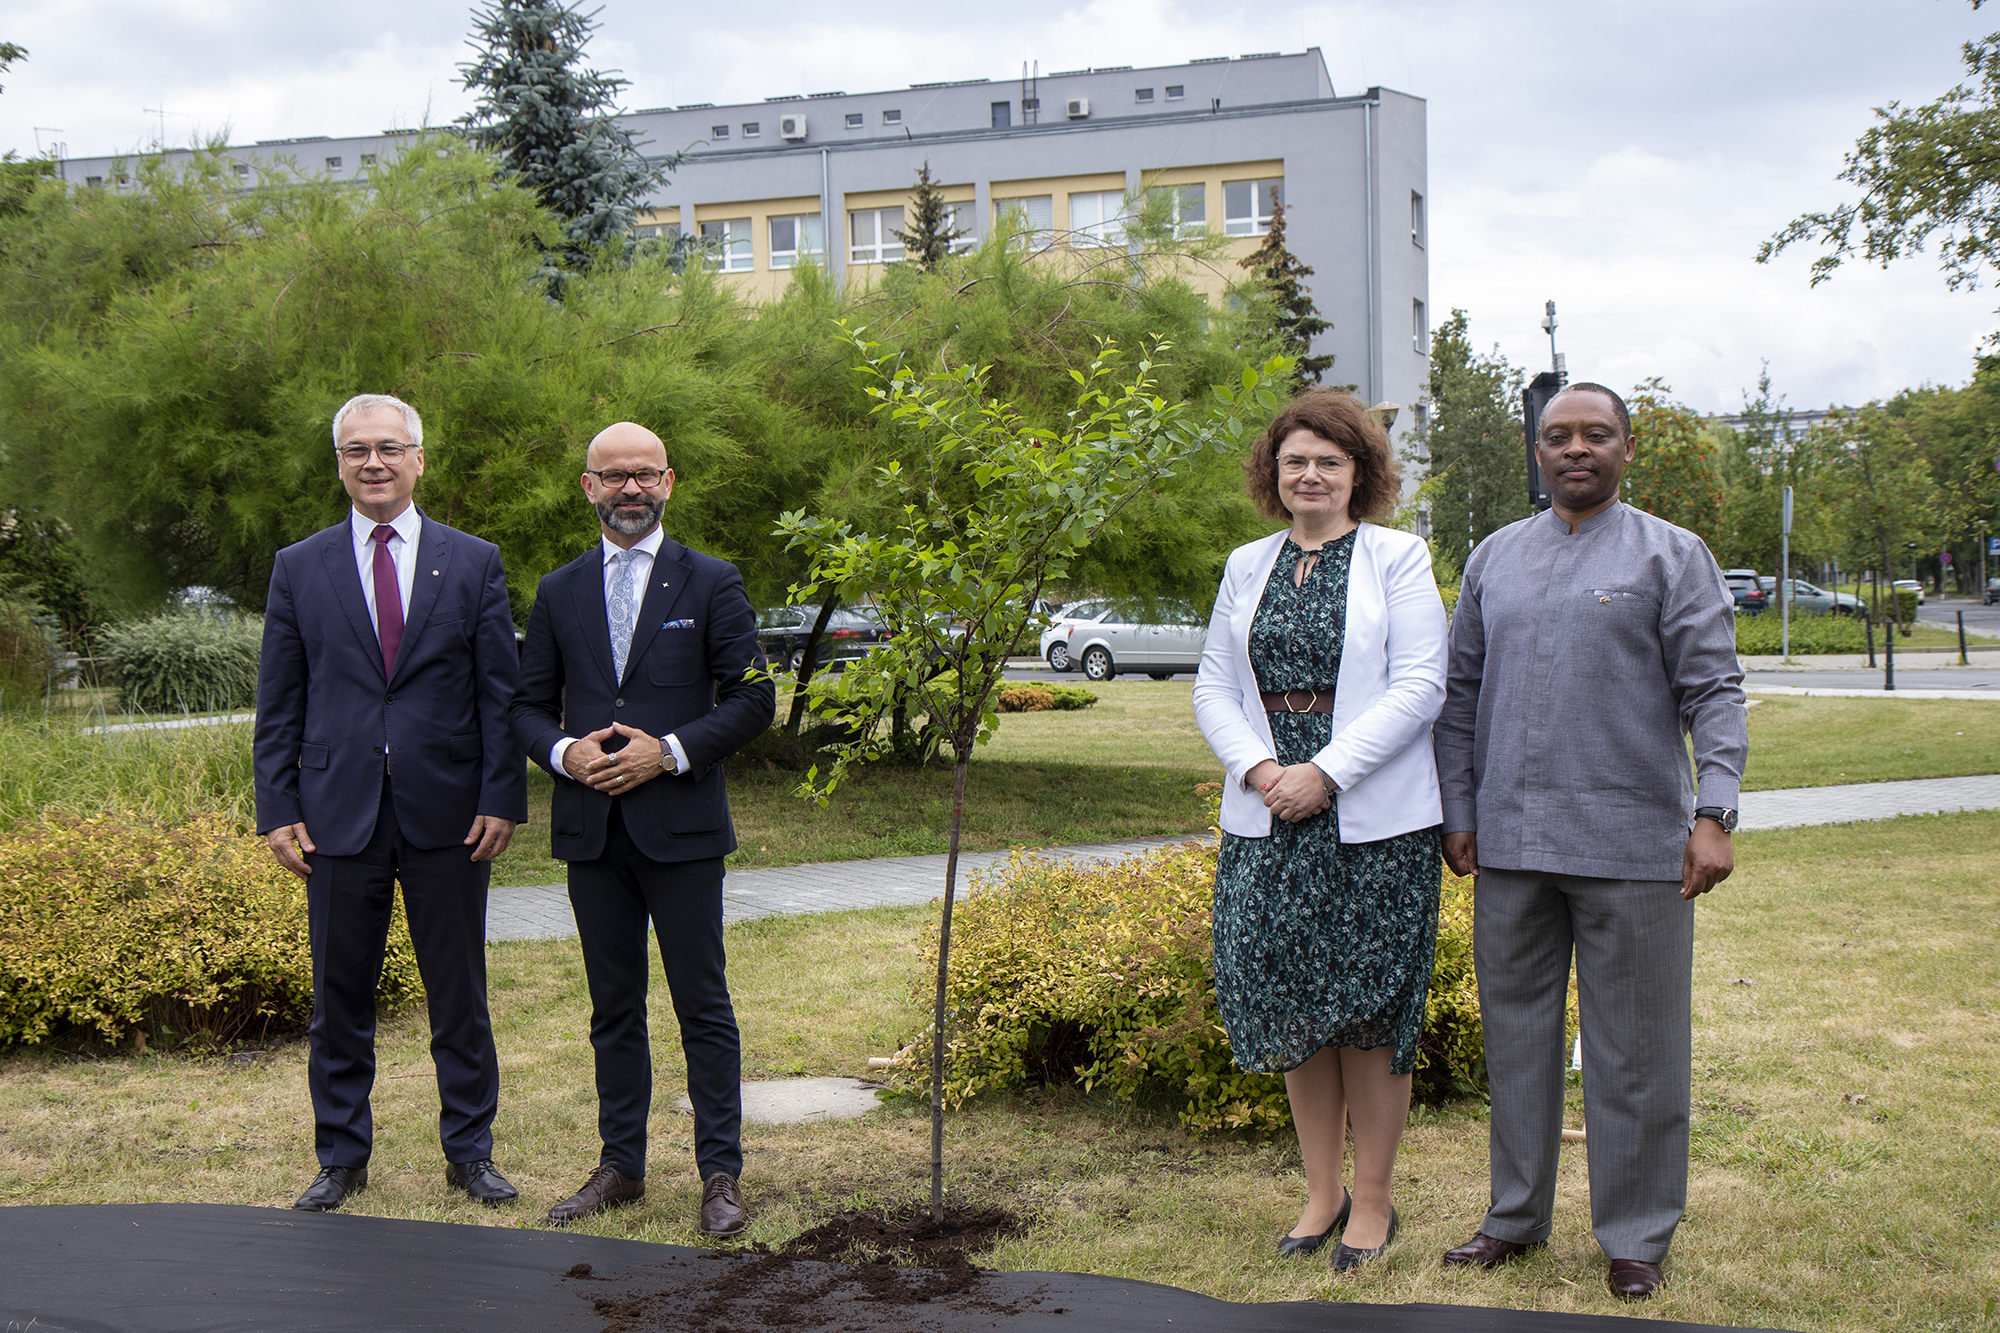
point(634, 688)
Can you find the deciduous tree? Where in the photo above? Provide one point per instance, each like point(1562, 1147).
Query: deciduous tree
point(1673, 474)
point(1478, 455)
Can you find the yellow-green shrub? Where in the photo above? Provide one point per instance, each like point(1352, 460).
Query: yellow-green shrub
point(113, 926)
point(1025, 697)
point(1104, 974)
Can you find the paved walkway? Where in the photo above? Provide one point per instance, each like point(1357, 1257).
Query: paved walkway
point(542, 911)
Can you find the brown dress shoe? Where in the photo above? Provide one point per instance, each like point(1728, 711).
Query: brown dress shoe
point(722, 1212)
point(1634, 1279)
point(605, 1189)
point(1484, 1251)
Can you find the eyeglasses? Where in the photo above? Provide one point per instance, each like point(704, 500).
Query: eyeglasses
point(1331, 464)
point(356, 455)
point(615, 478)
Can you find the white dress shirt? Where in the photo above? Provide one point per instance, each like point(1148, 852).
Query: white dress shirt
point(641, 563)
point(402, 553)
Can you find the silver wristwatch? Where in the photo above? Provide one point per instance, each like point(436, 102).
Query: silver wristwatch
point(1722, 816)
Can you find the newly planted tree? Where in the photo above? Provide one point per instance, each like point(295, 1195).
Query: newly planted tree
point(987, 510)
point(933, 224)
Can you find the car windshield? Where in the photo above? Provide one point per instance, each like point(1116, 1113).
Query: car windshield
point(850, 620)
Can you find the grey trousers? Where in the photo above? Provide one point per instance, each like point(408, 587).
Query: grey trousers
point(1634, 947)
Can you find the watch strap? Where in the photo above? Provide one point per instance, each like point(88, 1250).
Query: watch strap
point(1720, 814)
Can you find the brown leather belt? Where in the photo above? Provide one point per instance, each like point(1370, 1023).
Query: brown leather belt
point(1300, 701)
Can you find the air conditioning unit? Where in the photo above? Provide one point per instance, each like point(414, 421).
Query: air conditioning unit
point(1078, 108)
point(791, 127)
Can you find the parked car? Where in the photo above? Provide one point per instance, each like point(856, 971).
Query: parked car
point(1054, 647)
point(1910, 585)
point(782, 632)
point(1749, 593)
point(1119, 637)
point(1811, 601)
point(1992, 593)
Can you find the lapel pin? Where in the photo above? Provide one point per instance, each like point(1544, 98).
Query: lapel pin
point(434, 573)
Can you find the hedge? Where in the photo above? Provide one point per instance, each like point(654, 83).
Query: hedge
point(1759, 635)
point(111, 927)
point(1023, 697)
point(1103, 974)
point(185, 661)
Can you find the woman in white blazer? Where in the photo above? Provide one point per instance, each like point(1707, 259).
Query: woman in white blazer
point(1323, 671)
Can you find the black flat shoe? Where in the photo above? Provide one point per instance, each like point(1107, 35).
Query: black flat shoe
point(331, 1187)
point(1290, 1245)
point(482, 1180)
point(1345, 1257)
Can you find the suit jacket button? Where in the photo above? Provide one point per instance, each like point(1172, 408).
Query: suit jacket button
point(617, 703)
point(389, 699)
point(378, 749)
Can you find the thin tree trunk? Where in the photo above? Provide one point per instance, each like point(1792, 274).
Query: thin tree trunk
point(944, 958)
point(826, 611)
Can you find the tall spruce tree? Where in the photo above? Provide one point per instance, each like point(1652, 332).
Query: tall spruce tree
point(1295, 320)
point(549, 119)
point(1477, 455)
point(931, 232)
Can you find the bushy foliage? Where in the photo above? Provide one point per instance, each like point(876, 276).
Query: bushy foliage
point(27, 651)
point(1673, 474)
point(1477, 481)
point(1104, 974)
point(184, 661)
point(1024, 697)
point(1762, 635)
point(111, 926)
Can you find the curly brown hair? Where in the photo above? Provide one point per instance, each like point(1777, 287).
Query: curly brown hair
point(1340, 419)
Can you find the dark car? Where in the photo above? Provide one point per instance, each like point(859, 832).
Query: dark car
point(782, 632)
point(1748, 591)
point(1992, 593)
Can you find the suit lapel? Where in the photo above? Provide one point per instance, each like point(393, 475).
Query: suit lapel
point(587, 588)
point(669, 580)
point(337, 553)
point(433, 565)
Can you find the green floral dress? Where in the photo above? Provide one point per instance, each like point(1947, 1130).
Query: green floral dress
point(1319, 942)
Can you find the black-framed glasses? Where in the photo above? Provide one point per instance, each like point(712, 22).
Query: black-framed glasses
point(356, 455)
point(615, 478)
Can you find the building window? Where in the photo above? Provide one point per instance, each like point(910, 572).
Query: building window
point(668, 232)
point(93, 182)
point(333, 164)
point(872, 235)
point(368, 159)
point(242, 168)
point(1416, 219)
point(892, 117)
point(1246, 206)
point(1176, 91)
point(718, 131)
point(1186, 208)
point(1420, 328)
point(728, 244)
point(796, 238)
point(1002, 115)
point(751, 129)
point(1097, 218)
point(1034, 218)
point(1142, 94)
point(854, 119)
point(1029, 106)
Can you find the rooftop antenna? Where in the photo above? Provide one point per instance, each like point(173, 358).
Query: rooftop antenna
point(1031, 103)
point(163, 113)
point(1555, 357)
point(1535, 397)
point(56, 146)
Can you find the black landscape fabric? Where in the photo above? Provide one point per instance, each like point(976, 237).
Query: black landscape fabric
point(169, 1268)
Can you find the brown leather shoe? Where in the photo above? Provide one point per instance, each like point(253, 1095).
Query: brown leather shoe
point(722, 1212)
point(605, 1189)
point(1634, 1279)
point(1484, 1251)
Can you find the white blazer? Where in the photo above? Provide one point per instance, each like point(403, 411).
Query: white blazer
point(1391, 689)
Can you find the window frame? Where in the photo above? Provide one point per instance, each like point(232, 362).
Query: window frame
point(877, 250)
point(723, 258)
point(1184, 228)
point(718, 132)
point(333, 163)
point(1176, 92)
point(1108, 233)
point(1142, 96)
point(1420, 327)
point(788, 259)
point(1254, 223)
point(1419, 221)
point(892, 116)
point(1032, 236)
point(752, 129)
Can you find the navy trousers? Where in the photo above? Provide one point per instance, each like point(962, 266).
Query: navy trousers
point(348, 903)
point(614, 897)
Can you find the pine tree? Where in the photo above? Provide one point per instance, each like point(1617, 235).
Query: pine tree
point(1295, 320)
point(549, 118)
point(931, 231)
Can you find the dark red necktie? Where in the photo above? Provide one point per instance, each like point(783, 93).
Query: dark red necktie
point(388, 600)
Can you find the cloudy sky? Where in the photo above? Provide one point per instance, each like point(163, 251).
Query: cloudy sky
point(1622, 158)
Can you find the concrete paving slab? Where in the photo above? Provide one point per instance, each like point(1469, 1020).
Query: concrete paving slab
point(1866, 800)
point(795, 1101)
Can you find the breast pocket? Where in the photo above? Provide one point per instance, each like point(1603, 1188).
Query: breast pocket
point(675, 658)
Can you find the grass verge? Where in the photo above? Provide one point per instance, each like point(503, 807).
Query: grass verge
point(1846, 1170)
point(1805, 742)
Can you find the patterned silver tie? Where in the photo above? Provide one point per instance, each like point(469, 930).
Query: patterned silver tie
point(621, 612)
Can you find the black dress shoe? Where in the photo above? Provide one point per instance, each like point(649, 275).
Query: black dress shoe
point(1346, 1257)
point(722, 1211)
point(605, 1189)
point(1633, 1279)
point(1290, 1245)
point(331, 1187)
point(1484, 1251)
point(482, 1180)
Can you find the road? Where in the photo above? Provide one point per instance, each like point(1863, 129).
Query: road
point(1978, 619)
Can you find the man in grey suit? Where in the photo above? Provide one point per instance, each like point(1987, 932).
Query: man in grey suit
point(1589, 643)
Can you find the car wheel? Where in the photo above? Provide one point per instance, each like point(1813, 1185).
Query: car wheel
point(1159, 675)
point(1097, 664)
point(796, 662)
point(1058, 657)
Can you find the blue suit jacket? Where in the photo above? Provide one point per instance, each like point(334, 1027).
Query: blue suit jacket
point(696, 638)
point(327, 718)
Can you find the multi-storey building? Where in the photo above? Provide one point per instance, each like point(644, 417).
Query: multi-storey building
point(765, 184)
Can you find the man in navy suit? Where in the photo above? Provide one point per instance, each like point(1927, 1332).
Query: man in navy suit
point(383, 753)
point(636, 684)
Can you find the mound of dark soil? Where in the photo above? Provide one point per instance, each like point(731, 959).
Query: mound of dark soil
point(863, 1272)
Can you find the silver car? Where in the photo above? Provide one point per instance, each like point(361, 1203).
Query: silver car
point(1811, 601)
point(1118, 636)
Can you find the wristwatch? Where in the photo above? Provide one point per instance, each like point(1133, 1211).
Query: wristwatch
point(670, 764)
point(1726, 818)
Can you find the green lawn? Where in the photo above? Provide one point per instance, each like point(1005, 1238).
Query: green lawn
point(1806, 742)
point(1846, 1172)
